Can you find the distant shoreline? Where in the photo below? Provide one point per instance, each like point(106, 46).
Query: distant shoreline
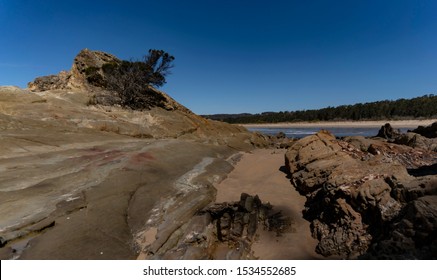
point(393, 123)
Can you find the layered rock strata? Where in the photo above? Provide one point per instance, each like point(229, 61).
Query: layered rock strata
point(80, 179)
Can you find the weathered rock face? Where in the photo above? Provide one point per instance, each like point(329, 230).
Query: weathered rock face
point(423, 137)
point(408, 156)
point(412, 235)
point(76, 78)
point(417, 141)
point(219, 231)
point(69, 99)
point(87, 63)
point(357, 190)
point(51, 82)
point(87, 75)
point(70, 111)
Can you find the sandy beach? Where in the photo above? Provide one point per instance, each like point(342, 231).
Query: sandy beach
point(394, 123)
point(259, 173)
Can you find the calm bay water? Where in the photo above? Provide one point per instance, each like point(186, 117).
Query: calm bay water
point(300, 132)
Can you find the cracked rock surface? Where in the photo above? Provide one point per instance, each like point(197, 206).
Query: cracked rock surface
point(367, 198)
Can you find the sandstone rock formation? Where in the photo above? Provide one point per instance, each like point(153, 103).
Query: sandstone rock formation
point(361, 199)
point(76, 78)
point(87, 75)
point(80, 179)
point(85, 105)
point(219, 231)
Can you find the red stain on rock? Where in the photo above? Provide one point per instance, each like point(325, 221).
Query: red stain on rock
point(141, 158)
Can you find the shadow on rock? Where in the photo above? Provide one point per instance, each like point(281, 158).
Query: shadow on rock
point(423, 170)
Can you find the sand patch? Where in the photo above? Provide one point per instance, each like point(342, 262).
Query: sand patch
point(259, 173)
point(144, 239)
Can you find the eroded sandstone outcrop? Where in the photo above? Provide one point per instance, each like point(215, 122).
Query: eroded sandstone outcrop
point(71, 100)
point(358, 193)
point(87, 75)
point(76, 78)
point(80, 179)
point(218, 231)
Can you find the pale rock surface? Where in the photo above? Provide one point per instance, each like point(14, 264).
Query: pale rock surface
point(82, 181)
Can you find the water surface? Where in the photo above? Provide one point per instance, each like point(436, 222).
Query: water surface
point(300, 132)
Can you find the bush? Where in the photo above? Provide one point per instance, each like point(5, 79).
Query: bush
point(132, 80)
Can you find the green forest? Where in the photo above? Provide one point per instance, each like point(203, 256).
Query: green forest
point(423, 107)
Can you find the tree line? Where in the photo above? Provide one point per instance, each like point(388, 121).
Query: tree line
point(420, 107)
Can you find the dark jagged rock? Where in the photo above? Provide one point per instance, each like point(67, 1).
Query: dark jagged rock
point(2, 242)
point(357, 189)
point(413, 235)
point(388, 132)
point(281, 135)
point(427, 131)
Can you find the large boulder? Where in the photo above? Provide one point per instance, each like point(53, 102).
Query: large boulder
point(388, 132)
point(416, 140)
point(355, 188)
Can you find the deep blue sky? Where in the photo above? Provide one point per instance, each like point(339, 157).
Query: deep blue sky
point(238, 56)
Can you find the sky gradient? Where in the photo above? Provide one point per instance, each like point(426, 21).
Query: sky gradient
point(238, 56)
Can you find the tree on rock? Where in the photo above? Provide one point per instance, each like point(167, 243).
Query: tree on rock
point(132, 79)
point(158, 64)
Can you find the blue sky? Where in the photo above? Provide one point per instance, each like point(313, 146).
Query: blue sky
point(238, 56)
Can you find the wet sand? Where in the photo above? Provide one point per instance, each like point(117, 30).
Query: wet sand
point(394, 123)
point(259, 173)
